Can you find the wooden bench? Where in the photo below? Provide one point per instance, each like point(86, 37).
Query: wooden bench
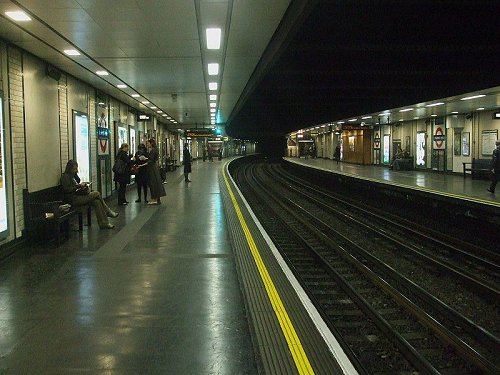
point(479, 168)
point(44, 219)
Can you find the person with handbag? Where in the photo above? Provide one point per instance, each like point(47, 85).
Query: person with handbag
point(154, 178)
point(122, 172)
point(141, 172)
point(78, 193)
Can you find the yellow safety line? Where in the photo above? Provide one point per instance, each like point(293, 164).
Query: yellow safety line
point(292, 339)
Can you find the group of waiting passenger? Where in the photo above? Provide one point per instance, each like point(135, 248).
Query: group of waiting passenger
point(144, 164)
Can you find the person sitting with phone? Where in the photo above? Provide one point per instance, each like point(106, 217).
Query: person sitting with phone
point(78, 193)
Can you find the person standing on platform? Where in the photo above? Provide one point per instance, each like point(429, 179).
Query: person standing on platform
point(154, 178)
point(187, 162)
point(495, 168)
point(336, 153)
point(123, 177)
point(141, 177)
point(78, 194)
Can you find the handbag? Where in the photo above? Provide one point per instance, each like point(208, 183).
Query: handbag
point(120, 167)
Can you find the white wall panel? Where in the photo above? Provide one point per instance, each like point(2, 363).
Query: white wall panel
point(42, 125)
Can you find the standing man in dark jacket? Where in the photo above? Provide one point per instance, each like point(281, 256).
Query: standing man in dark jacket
point(187, 162)
point(123, 178)
point(141, 177)
point(495, 167)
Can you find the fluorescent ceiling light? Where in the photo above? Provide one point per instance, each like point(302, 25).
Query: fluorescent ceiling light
point(366, 117)
point(135, 95)
point(159, 111)
point(406, 110)
point(213, 105)
point(18, 15)
point(385, 114)
point(353, 119)
point(121, 86)
point(213, 97)
point(480, 109)
point(102, 73)
point(212, 86)
point(213, 110)
point(145, 102)
point(473, 97)
point(100, 103)
point(340, 122)
point(213, 69)
point(454, 112)
point(153, 107)
point(71, 52)
point(401, 120)
point(434, 104)
point(415, 118)
point(213, 38)
point(433, 115)
point(164, 115)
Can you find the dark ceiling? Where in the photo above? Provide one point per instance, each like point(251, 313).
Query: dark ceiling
point(354, 57)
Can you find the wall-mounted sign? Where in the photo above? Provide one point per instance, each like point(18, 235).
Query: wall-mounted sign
point(144, 117)
point(496, 115)
point(439, 138)
point(102, 132)
point(194, 133)
point(82, 144)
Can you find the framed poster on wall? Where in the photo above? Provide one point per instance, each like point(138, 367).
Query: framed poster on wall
point(457, 144)
point(133, 140)
point(466, 144)
point(122, 136)
point(82, 144)
point(488, 139)
point(4, 227)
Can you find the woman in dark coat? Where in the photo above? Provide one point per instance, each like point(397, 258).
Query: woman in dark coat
point(187, 162)
point(155, 182)
point(141, 177)
point(123, 178)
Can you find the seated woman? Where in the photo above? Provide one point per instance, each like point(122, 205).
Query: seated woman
point(77, 193)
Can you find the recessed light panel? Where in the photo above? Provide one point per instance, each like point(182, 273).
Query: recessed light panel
point(213, 38)
point(18, 15)
point(213, 69)
point(212, 86)
point(71, 52)
point(102, 73)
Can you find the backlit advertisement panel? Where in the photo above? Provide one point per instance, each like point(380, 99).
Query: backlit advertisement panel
point(3, 182)
point(387, 149)
point(82, 145)
point(420, 147)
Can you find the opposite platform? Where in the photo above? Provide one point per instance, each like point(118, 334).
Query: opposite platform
point(453, 186)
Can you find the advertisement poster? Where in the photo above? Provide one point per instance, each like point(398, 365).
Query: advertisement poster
point(387, 149)
point(3, 185)
point(457, 144)
point(82, 145)
point(466, 144)
point(488, 138)
point(122, 136)
point(420, 161)
point(133, 145)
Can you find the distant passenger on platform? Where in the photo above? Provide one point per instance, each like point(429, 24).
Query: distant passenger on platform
point(336, 153)
point(204, 153)
point(187, 162)
point(141, 176)
point(495, 168)
point(78, 194)
point(220, 153)
point(154, 178)
point(123, 177)
point(398, 155)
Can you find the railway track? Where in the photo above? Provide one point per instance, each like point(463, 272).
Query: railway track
point(386, 321)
